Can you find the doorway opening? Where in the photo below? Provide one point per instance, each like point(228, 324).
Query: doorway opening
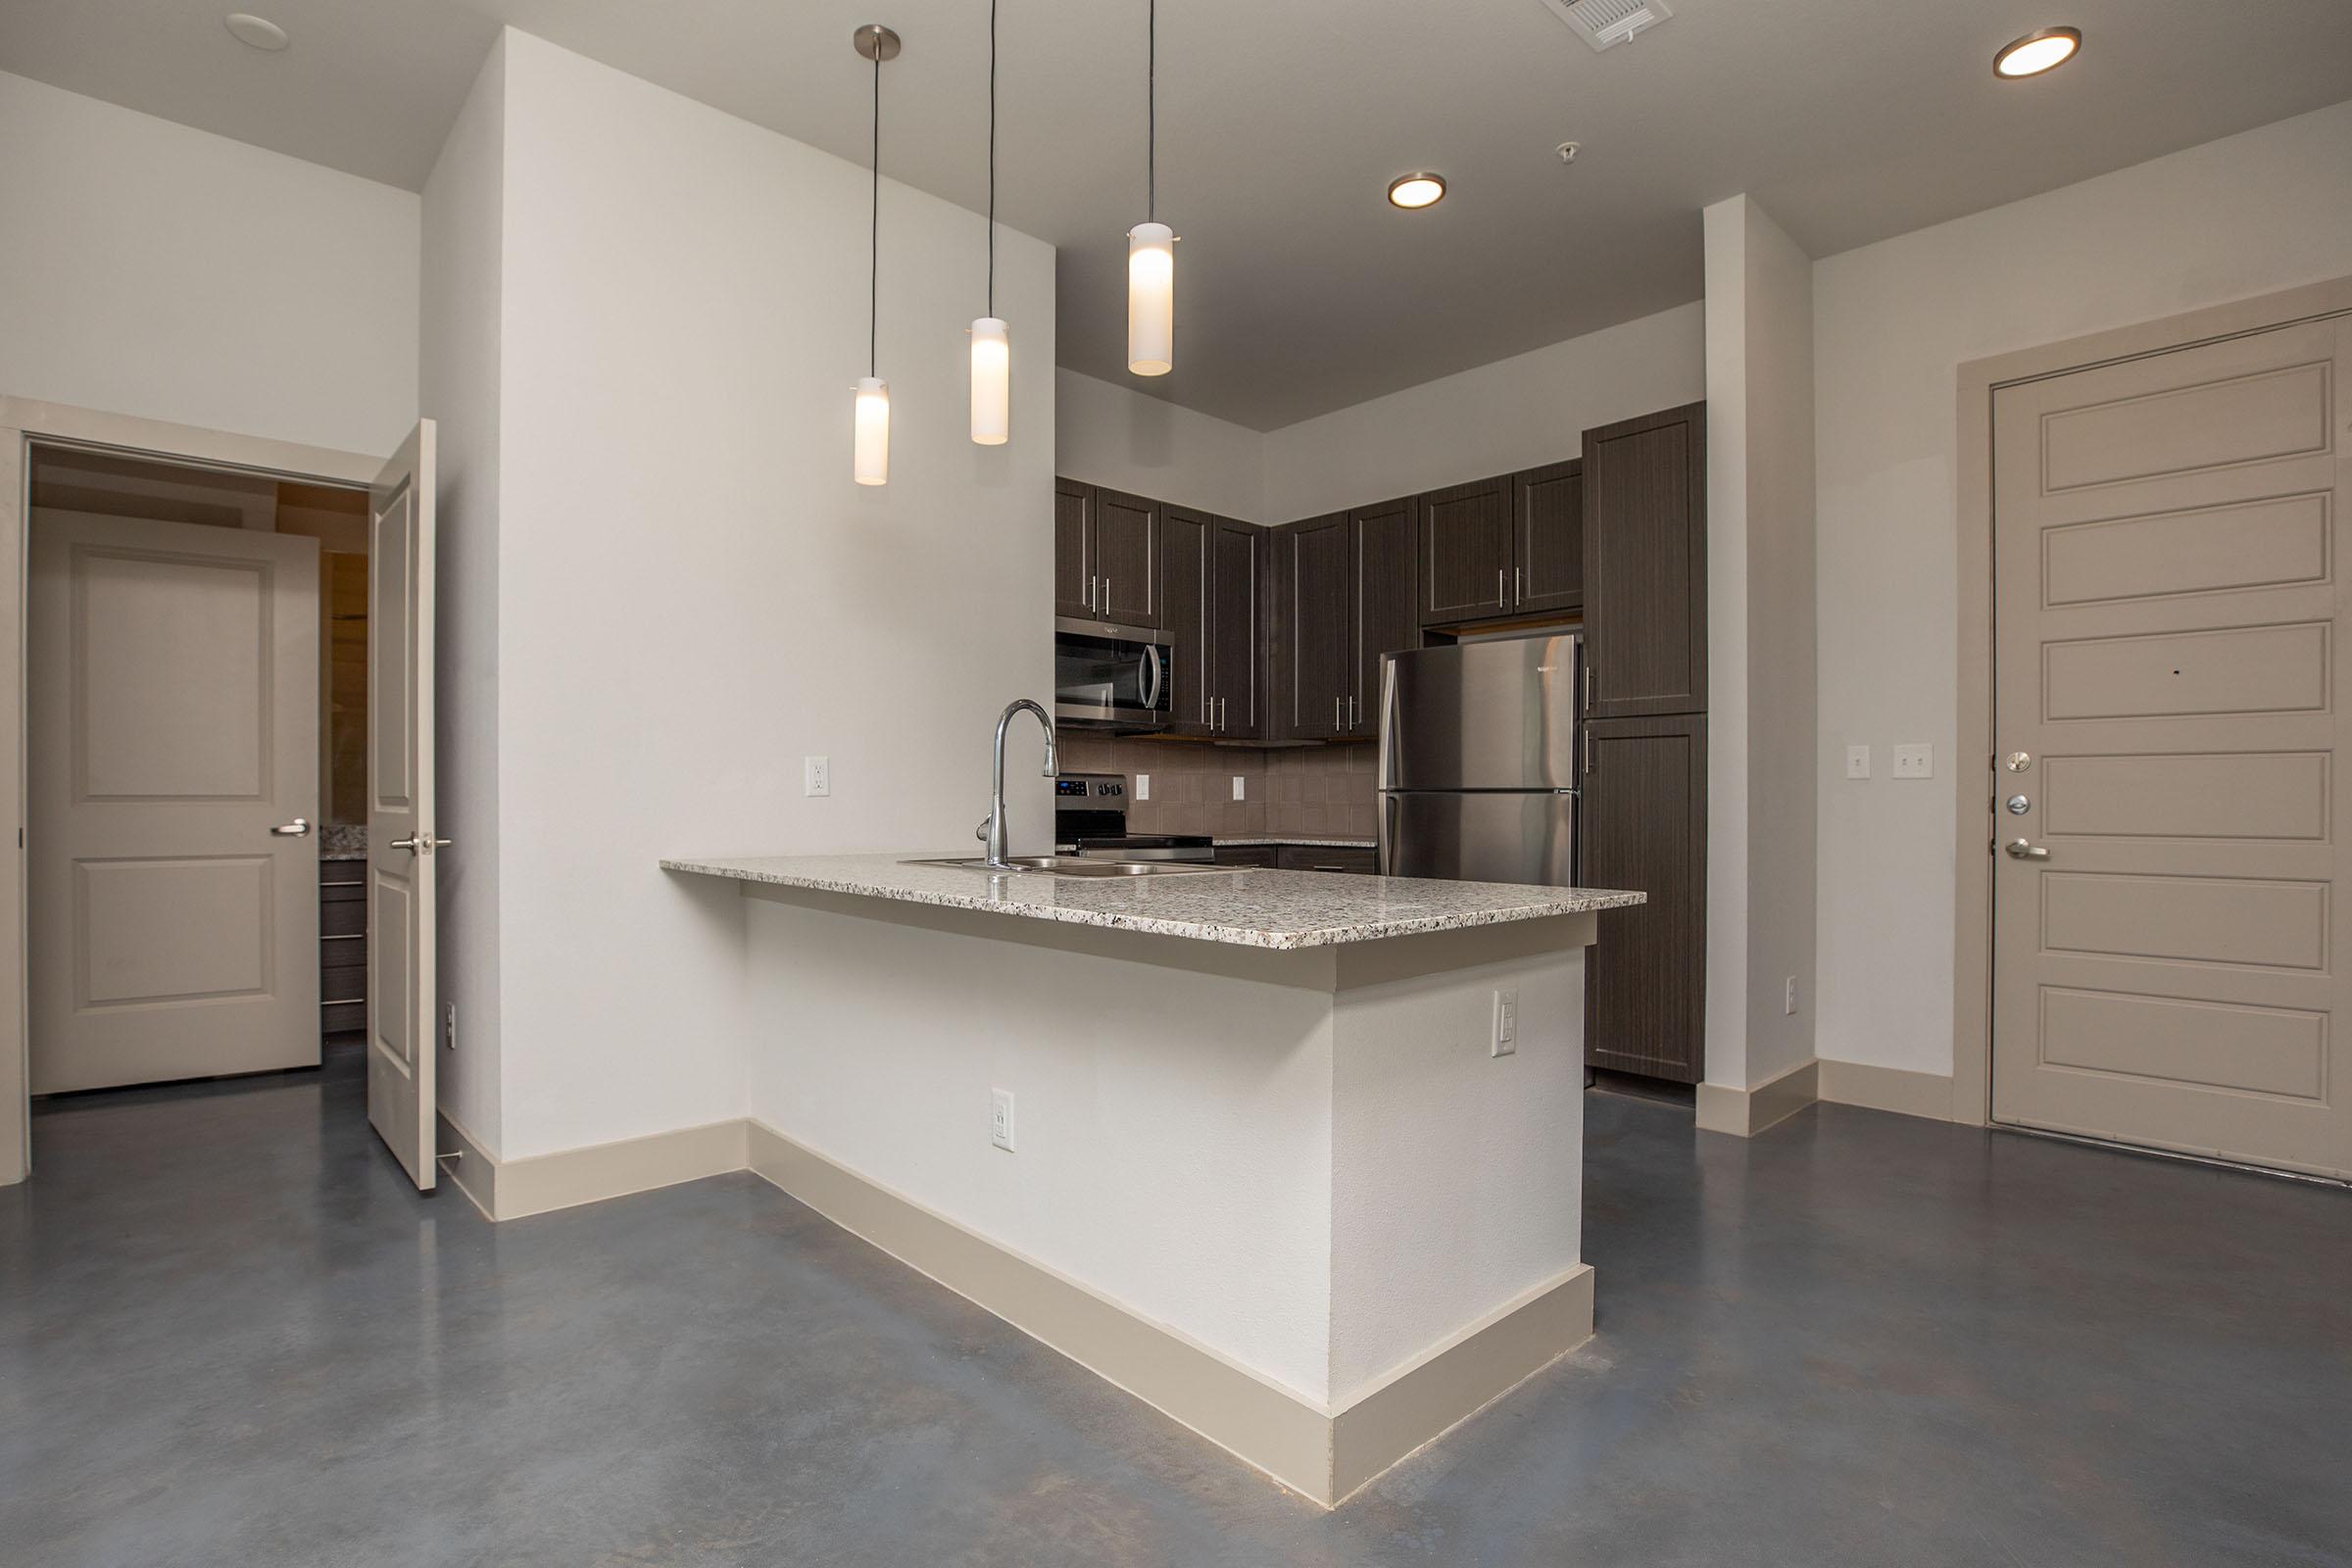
point(196, 682)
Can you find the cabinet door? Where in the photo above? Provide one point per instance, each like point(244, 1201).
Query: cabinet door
point(1127, 556)
point(1644, 826)
point(1645, 564)
point(1548, 539)
point(1318, 604)
point(1465, 551)
point(1073, 548)
point(1385, 622)
point(1236, 564)
point(1185, 617)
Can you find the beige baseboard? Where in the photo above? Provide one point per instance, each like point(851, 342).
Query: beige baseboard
point(513, 1189)
point(1322, 1455)
point(1745, 1112)
point(1899, 1090)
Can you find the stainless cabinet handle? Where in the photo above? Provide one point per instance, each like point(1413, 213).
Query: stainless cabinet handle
point(1518, 593)
point(1106, 596)
point(1499, 602)
point(2026, 850)
point(1093, 592)
point(1336, 707)
point(300, 827)
point(1220, 713)
point(1587, 683)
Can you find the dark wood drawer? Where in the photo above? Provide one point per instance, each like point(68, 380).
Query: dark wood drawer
point(344, 919)
point(342, 1016)
point(1353, 859)
point(342, 881)
point(1268, 855)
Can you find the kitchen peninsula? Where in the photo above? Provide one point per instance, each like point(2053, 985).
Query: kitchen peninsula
point(1294, 1157)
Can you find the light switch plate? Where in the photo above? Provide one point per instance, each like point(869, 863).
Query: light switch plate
point(1143, 786)
point(1915, 762)
point(1857, 761)
point(1000, 1118)
point(1505, 1040)
point(816, 775)
point(1237, 786)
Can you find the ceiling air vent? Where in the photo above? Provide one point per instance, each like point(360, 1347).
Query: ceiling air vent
point(1606, 22)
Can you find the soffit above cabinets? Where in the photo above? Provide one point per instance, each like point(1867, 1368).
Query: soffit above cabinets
point(1280, 125)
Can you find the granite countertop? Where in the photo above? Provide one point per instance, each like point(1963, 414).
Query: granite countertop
point(1303, 840)
point(1278, 910)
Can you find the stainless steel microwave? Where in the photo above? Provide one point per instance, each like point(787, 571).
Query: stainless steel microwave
point(1111, 677)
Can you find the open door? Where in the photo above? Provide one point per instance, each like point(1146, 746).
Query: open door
point(401, 884)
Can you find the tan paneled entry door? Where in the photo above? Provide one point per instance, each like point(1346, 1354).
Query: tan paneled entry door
point(2171, 653)
point(174, 775)
point(401, 881)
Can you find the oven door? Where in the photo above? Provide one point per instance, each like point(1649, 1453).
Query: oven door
point(1111, 677)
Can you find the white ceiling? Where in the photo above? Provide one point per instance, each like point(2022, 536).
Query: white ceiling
point(1281, 122)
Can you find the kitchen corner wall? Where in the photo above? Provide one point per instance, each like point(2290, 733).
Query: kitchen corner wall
point(1310, 791)
point(682, 593)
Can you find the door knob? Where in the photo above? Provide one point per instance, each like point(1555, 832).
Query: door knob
point(2025, 849)
point(295, 829)
point(420, 844)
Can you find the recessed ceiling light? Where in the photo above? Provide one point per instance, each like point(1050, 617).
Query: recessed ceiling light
point(2037, 52)
point(258, 31)
point(1410, 191)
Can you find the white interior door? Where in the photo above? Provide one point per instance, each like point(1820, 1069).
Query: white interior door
point(174, 719)
point(400, 887)
point(2172, 662)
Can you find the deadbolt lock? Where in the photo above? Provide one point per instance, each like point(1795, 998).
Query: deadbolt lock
point(2017, 762)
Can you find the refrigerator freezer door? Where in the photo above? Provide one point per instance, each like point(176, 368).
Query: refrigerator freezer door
point(1482, 837)
point(1493, 716)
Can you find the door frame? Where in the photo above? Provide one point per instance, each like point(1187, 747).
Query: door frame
point(1974, 823)
point(25, 423)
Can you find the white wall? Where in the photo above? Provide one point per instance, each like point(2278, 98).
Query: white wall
point(1760, 645)
point(2262, 211)
point(1116, 436)
point(150, 269)
point(1518, 412)
point(691, 595)
point(458, 387)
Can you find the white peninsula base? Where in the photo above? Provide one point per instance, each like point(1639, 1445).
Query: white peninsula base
point(1287, 1194)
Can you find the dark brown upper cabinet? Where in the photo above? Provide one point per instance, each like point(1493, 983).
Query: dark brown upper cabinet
point(1315, 627)
point(1645, 564)
point(1186, 596)
point(1074, 574)
point(1384, 602)
point(1107, 561)
point(1548, 539)
point(1127, 558)
point(1238, 557)
point(1465, 552)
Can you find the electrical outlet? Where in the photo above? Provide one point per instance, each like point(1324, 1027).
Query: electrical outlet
point(449, 1024)
point(1505, 1040)
point(1143, 786)
point(1000, 1118)
point(1915, 762)
point(816, 775)
point(1857, 761)
point(1788, 995)
point(1237, 786)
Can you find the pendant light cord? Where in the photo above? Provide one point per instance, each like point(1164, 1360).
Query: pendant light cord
point(992, 157)
point(873, 243)
point(1151, 113)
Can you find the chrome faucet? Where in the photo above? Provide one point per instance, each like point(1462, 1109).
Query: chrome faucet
point(996, 790)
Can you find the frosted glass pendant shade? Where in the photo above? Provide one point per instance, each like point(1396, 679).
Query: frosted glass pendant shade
point(1150, 299)
point(991, 383)
point(870, 458)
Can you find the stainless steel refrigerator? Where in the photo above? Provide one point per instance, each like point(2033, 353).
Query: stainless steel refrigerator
point(1478, 761)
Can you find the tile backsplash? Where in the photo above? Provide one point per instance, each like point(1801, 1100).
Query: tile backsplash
point(1312, 791)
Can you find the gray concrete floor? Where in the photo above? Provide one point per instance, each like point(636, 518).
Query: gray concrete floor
point(229, 1334)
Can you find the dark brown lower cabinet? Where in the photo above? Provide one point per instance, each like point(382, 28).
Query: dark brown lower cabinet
point(1643, 825)
point(1349, 858)
point(1265, 856)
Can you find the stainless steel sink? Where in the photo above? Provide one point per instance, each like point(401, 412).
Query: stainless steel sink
point(1076, 865)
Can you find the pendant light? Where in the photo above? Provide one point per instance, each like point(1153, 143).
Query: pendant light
point(870, 447)
point(1152, 244)
point(992, 351)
